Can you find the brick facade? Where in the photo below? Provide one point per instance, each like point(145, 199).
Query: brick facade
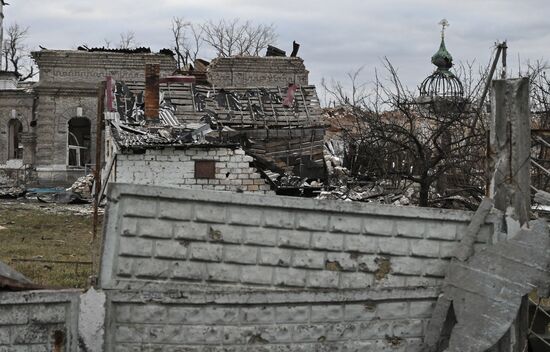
point(248, 71)
point(176, 167)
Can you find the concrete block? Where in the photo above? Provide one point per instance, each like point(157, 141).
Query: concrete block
point(330, 241)
point(170, 250)
point(129, 226)
point(184, 315)
point(279, 219)
point(206, 252)
point(240, 254)
point(148, 268)
point(124, 266)
point(340, 262)
point(4, 337)
point(210, 213)
point(293, 239)
point(47, 314)
point(278, 334)
point(258, 315)
point(30, 334)
point(308, 259)
point(219, 315)
point(425, 248)
point(292, 314)
point(441, 230)
point(309, 332)
point(225, 233)
point(260, 236)
point(326, 313)
point(139, 207)
point(347, 224)
point(135, 247)
point(436, 267)
point(361, 243)
point(415, 281)
point(14, 314)
point(378, 226)
point(408, 328)
point(322, 279)
point(189, 271)
point(447, 249)
point(394, 246)
point(223, 272)
point(410, 228)
point(245, 216)
point(408, 265)
point(149, 313)
point(155, 228)
point(359, 311)
point(274, 256)
point(392, 310)
point(174, 210)
point(421, 309)
point(190, 231)
point(290, 277)
point(356, 280)
point(260, 275)
point(236, 337)
point(312, 221)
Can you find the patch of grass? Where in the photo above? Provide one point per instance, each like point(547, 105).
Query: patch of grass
point(52, 234)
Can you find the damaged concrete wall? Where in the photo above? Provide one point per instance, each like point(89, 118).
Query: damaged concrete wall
point(52, 321)
point(280, 273)
point(38, 321)
point(274, 321)
point(176, 167)
point(250, 71)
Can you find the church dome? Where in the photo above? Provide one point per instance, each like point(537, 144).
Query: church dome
point(442, 83)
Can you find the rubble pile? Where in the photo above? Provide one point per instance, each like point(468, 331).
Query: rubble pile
point(11, 191)
point(369, 193)
point(9, 187)
point(83, 186)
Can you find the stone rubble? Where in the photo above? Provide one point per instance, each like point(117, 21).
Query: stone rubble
point(83, 186)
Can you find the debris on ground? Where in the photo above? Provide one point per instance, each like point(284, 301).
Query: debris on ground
point(65, 197)
point(83, 186)
point(12, 191)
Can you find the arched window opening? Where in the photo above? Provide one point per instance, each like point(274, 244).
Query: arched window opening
point(78, 142)
point(15, 148)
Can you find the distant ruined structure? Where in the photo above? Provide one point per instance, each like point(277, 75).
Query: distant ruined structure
point(48, 129)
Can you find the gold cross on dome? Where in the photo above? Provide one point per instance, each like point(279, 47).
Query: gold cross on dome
point(444, 24)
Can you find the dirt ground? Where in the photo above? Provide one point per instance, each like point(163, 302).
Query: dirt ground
point(35, 237)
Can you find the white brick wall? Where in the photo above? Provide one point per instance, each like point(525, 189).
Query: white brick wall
point(176, 168)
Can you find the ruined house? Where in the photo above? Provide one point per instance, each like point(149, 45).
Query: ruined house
point(48, 129)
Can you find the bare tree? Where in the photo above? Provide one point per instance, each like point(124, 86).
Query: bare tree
point(16, 54)
point(230, 38)
point(187, 39)
point(128, 40)
point(437, 143)
point(540, 122)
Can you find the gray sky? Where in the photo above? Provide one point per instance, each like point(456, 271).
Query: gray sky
point(335, 36)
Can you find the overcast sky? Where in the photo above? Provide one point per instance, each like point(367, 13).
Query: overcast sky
point(335, 36)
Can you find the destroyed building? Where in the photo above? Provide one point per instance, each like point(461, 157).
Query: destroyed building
point(48, 129)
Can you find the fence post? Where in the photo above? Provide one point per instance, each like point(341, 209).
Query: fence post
point(509, 147)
